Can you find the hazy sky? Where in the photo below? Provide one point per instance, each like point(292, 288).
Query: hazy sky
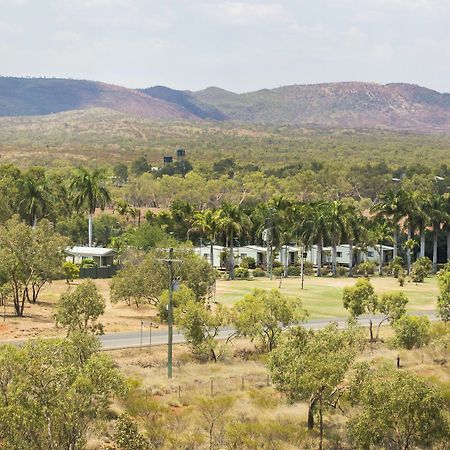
point(238, 45)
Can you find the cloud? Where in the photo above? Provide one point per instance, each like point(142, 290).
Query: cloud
point(7, 28)
point(67, 36)
point(240, 13)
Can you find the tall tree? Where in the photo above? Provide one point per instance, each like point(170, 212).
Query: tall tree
point(33, 198)
point(436, 213)
point(392, 206)
point(380, 232)
point(89, 192)
point(207, 222)
point(233, 221)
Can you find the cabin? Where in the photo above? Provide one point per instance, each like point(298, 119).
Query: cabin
point(103, 257)
point(218, 252)
point(258, 253)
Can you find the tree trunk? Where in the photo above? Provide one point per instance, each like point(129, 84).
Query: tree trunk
point(311, 406)
point(334, 259)
point(380, 268)
point(90, 226)
point(34, 221)
point(448, 245)
point(286, 260)
point(321, 423)
point(350, 255)
point(395, 242)
point(422, 243)
point(231, 257)
point(408, 250)
point(435, 249)
point(371, 330)
point(211, 253)
point(319, 257)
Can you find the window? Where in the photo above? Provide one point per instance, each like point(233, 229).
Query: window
point(339, 254)
point(206, 255)
point(243, 255)
point(305, 255)
point(370, 254)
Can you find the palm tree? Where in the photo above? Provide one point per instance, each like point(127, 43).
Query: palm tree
point(437, 217)
point(412, 214)
point(207, 222)
point(337, 221)
point(392, 206)
point(380, 232)
point(89, 193)
point(354, 229)
point(422, 220)
point(33, 198)
point(232, 220)
point(314, 228)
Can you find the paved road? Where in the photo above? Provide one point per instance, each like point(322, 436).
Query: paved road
point(114, 341)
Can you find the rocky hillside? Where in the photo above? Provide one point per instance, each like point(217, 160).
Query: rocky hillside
point(335, 105)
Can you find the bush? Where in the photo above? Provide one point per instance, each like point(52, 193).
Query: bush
point(258, 272)
point(396, 266)
point(420, 269)
point(412, 331)
point(277, 271)
point(308, 268)
point(366, 268)
point(88, 263)
point(342, 271)
point(241, 273)
point(325, 271)
point(276, 264)
point(71, 271)
point(294, 271)
point(248, 262)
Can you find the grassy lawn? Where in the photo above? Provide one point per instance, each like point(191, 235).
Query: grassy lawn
point(322, 297)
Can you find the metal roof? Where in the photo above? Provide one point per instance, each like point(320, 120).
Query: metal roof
point(90, 251)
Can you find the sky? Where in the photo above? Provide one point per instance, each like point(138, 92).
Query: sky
point(238, 45)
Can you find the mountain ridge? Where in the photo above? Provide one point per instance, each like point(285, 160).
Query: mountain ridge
point(337, 105)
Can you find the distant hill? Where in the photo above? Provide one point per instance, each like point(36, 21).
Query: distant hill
point(329, 105)
point(41, 96)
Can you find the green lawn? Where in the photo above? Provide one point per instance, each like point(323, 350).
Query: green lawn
point(322, 297)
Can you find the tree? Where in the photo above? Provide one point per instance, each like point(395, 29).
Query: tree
point(338, 219)
point(201, 324)
point(213, 411)
point(207, 222)
point(393, 306)
point(121, 172)
point(140, 166)
point(396, 410)
point(127, 435)
point(412, 331)
point(311, 365)
point(52, 391)
point(145, 280)
point(361, 299)
point(392, 206)
point(420, 269)
point(232, 221)
point(28, 259)
point(380, 232)
point(263, 314)
point(78, 309)
point(436, 213)
point(33, 197)
point(71, 271)
point(443, 303)
point(89, 193)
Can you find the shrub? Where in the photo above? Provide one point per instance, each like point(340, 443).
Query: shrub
point(294, 271)
point(308, 268)
point(88, 263)
point(420, 269)
point(366, 268)
point(71, 271)
point(258, 272)
point(241, 273)
point(342, 271)
point(277, 271)
point(248, 262)
point(412, 331)
point(325, 271)
point(276, 264)
point(396, 266)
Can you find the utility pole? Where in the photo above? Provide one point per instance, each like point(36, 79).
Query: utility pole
point(170, 315)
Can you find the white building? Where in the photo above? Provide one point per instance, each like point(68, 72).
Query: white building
point(205, 252)
point(103, 257)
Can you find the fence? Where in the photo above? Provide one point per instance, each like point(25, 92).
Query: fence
point(99, 272)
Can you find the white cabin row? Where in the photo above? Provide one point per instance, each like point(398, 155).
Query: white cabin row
point(259, 254)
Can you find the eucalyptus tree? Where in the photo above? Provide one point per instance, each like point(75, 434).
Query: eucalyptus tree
point(89, 192)
point(392, 206)
point(233, 222)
